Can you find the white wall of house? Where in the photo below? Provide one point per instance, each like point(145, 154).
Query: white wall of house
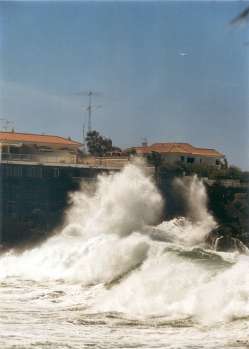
point(189, 158)
point(51, 155)
point(60, 156)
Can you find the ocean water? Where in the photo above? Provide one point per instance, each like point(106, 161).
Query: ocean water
point(115, 277)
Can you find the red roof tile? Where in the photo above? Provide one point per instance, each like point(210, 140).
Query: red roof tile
point(178, 148)
point(35, 138)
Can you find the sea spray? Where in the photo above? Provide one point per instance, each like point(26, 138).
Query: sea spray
point(113, 240)
point(200, 222)
point(90, 248)
point(121, 204)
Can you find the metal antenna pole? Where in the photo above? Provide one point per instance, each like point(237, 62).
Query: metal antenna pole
point(5, 124)
point(90, 112)
point(83, 136)
point(83, 133)
point(90, 108)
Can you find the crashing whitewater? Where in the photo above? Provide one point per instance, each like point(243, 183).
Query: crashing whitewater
point(113, 245)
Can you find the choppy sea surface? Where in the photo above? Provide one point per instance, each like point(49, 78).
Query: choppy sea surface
point(53, 315)
point(114, 278)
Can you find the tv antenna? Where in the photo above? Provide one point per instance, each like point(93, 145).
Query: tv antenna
point(91, 107)
point(5, 124)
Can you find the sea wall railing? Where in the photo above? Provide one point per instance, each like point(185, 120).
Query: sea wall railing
point(114, 163)
point(105, 162)
point(40, 158)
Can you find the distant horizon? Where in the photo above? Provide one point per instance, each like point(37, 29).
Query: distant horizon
point(166, 71)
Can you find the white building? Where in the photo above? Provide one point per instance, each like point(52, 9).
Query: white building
point(183, 152)
point(39, 148)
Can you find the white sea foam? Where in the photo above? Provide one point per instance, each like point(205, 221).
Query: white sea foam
point(113, 237)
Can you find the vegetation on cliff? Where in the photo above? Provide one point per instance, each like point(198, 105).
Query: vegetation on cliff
point(99, 145)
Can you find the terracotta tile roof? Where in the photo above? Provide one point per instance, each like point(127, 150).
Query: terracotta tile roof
point(35, 138)
point(178, 148)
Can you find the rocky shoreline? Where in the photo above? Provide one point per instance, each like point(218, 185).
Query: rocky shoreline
point(230, 208)
point(228, 204)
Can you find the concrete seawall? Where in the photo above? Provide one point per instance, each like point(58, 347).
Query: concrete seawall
point(34, 197)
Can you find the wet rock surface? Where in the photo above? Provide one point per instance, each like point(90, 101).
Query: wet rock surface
point(228, 205)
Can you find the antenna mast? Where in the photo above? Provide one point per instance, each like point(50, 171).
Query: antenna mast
point(83, 136)
point(89, 109)
point(5, 124)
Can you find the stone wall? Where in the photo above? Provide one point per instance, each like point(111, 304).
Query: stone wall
point(34, 197)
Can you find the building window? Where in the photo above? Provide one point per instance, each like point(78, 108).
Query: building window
point(217, 162)
point(190, 160)
point(182, 158)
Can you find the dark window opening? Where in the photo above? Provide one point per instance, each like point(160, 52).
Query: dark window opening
point(190, 160)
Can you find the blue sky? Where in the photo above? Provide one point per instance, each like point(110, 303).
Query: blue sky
point(131, 53)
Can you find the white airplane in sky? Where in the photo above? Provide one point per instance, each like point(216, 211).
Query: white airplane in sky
point(183, 54)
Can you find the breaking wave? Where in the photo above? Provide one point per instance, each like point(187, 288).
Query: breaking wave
point(145, 268)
